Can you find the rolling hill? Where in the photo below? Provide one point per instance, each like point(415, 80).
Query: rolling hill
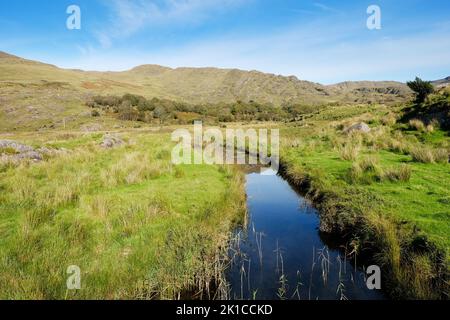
point(32, 93)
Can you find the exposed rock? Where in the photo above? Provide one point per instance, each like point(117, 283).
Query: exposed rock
point(18, 147)
point(49, 152)
point(31, 155)
point(93, 127)
point(359, 127)
point(14, 152)
point(111, 141)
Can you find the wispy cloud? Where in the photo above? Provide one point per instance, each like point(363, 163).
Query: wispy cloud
point(324, 7)
point(311, 52)
point(131, 16)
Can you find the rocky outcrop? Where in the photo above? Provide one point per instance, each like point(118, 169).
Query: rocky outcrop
point(14, 152)
point(111, 141)
point(358, 127)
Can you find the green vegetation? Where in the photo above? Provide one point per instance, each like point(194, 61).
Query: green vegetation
point(140, 227)
point(38, 96)
point(137, 226)
point(386, 190)
point(421, 88)
point(137, 108)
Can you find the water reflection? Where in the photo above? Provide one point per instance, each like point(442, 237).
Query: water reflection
point(280, 255)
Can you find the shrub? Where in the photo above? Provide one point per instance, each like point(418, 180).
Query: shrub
point(226, 118)
point(421, 88)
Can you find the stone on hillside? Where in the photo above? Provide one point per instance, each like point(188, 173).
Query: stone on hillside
point(18, 147)
point(31, 155)
point(111, 141)
point(358, 127)
point(50, 152)
point(14, 152)
point(93, 127)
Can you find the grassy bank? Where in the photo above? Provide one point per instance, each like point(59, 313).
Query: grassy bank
point(385, 193)
point(137, 226)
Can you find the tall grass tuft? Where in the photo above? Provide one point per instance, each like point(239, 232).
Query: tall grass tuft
point(402, 173)
point(417, 124)
point(366, 171)
point(424, 155)
point(349, 151)
point(428, 155)
point(389, 120)
point(441, 156)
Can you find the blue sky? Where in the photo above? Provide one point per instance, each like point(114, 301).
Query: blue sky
point(325, 41)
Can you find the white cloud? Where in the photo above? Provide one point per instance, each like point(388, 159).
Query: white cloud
point(131, 16)
point(317, 52)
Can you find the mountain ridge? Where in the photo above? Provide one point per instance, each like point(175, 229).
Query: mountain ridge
point(442, 82)
point(203, 85)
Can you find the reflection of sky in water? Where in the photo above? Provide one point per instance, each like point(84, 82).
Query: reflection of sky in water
point(290, 234)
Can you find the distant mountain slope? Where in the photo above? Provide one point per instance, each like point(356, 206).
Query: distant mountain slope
point(371, 91)
point(201, 85)
point(442, 82)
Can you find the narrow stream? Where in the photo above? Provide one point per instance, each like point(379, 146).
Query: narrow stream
point(280, 254)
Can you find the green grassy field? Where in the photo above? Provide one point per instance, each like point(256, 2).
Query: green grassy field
point(137, 226)
point(378, 183)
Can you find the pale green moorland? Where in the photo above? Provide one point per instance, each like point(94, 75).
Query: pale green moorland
point(137, 226)
point(140, 227)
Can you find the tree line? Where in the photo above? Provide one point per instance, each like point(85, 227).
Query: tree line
point(138, 108)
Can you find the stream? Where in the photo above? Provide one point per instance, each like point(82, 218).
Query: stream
point(279, 253)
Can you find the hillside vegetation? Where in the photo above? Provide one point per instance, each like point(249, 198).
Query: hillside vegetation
point(137, 226)
point(34, 94)
point(96, 187)
point(385, 192)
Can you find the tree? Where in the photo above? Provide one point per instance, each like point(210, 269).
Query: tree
point(161, 113)
point(421, 88)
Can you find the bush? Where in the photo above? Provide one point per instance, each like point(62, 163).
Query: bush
point(226, 118)
point(421, 88)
